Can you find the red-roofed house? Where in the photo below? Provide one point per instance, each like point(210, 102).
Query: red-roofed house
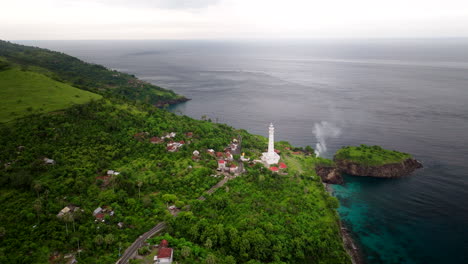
point(233, 168)
point(219, 154)
point(274, 169)
point(282, 165)
point(156, 140)
point(164, 254)
point(221, 164)
point(100, 217)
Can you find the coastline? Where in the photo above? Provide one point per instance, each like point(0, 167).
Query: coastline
point(353, 250)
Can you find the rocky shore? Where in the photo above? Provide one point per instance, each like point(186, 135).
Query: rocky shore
point(353, 250)
point(330, 175)
point(172, 101)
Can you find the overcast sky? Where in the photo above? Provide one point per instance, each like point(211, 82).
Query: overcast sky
point(221, 19)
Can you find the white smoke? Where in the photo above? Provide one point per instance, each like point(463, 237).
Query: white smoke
point(322, 132)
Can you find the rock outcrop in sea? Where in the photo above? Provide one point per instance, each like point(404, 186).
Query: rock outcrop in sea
point(332, 175)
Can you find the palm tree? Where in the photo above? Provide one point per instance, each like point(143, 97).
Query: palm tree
point(67, 218)
point(139, 184)
point(37, 186)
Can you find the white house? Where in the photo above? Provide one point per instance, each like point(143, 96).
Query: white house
point(97, 211)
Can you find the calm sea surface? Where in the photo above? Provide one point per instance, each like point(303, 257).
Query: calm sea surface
point(408, 95)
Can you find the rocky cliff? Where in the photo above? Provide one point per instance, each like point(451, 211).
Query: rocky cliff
point(392, 170)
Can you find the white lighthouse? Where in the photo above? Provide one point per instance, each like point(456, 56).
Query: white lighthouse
point(271, 157)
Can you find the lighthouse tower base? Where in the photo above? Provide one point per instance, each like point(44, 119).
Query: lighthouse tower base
point(270, 158)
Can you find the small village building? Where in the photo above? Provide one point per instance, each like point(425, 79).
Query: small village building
point(282, 165)
point(221, 165)
point(229, 156)
point(196, 153)
point(171, 148)
point(97, 211)
point(64, 211)
point(141, 136)
point(100, 217)
point(210, 151)
point(120, 224)
point(165, 254)
point(112, 173)
point(156, 140)
point(233, 168)
point(70, 209)
point(274, 169)
point(189, 134)
point(49, 161)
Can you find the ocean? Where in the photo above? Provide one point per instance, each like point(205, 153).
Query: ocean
point(409, 95)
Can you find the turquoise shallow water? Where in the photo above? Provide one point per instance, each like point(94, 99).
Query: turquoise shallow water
point(408, 95)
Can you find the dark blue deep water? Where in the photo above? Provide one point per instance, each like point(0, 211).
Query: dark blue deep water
point(408, 95)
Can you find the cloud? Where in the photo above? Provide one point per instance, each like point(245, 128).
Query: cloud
point(163, 4)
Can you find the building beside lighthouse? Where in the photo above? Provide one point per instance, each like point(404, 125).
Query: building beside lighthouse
point(271, 157)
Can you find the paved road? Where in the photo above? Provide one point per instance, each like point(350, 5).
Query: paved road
point(130, 252)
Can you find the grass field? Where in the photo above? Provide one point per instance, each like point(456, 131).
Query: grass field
point(23, 93)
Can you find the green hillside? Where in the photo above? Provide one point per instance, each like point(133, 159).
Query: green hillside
point(87, 76)
point(259, 217)
point(23, 93)
point(53, 161)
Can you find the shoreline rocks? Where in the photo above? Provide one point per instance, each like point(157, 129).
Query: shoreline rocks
point(330, 175)
point(172, 102)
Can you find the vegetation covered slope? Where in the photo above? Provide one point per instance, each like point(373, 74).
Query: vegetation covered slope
point(271, 218)
point(87, 76)
point(370, 155)
point(24, 92)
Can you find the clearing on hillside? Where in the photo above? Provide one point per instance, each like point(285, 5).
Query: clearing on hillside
point(24, 92)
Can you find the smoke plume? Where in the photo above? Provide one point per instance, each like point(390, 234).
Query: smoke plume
point(322, 132)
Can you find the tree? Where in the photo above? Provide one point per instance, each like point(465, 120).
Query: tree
point(139, 184)
point(169, 198)
point(185, 251)
point(37, 186)
point(208, 243)
point(109, 239)
point(98, 240)
point(37, 206)
point(210, 259)
point(67, 218)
